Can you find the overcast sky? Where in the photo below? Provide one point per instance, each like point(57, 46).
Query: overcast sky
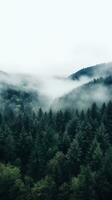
point(54, 36)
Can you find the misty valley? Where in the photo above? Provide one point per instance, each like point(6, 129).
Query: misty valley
point(56, 135)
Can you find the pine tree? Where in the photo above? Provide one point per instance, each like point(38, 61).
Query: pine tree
point(74, 158)
point(44, 189)
point(83, 186)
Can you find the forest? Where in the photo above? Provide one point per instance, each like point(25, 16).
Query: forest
point(63, 155)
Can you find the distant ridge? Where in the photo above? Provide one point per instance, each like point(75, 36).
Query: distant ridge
point(96, 91)
point(98, 87)
point(3, 73)
point(96, 71)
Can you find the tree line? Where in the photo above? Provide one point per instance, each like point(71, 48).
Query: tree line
point(63, 155)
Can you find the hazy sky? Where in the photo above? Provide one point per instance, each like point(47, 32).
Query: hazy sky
point(54, 36)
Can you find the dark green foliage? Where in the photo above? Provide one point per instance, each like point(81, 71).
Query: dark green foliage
point(12, 186)
point(83, 185)
point(44, 189)
point(56, 156)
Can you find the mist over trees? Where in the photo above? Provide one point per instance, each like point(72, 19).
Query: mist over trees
point(89, 85)
point(96, 71)
point(98, 90)
point(60, 148)
point(56, 155)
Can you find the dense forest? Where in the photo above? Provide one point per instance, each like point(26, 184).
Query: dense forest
point(63, 155)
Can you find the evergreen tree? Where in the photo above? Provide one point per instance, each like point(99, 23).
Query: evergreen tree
point(74, 158)
point(44, 189)
point(83, 186)
point(11, 184)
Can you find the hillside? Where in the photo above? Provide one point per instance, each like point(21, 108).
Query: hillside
point(20, 92)
point(98, 90)
point(100, 70)
point(61, 155)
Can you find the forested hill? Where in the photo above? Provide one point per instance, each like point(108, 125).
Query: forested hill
point(16, 97)
point(100, 70)
point(17, 91)
point(28, 91)
point(98, 90)
point(64, 154)
point(56, 156)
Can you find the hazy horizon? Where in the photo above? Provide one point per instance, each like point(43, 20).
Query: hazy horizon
point(37, 73)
